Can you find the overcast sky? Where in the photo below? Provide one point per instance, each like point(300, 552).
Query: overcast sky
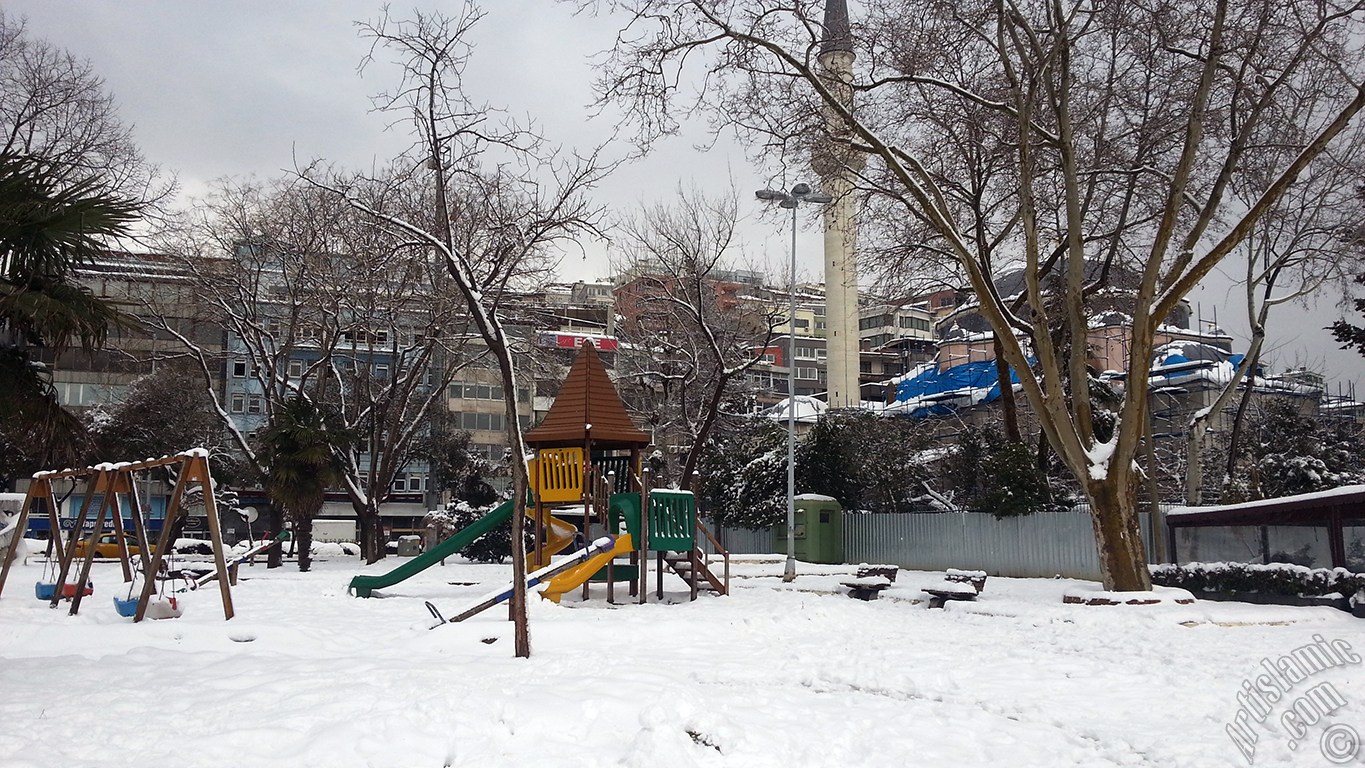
point(239, 88)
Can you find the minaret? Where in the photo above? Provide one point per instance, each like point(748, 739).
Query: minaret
point(836, 166)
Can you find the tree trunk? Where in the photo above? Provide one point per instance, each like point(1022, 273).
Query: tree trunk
point(1239, 421)
point(1194, 461)
point(274, 557)
point(1118, 537)
point(371, 533)
point(303, 540)
point(1009, 406)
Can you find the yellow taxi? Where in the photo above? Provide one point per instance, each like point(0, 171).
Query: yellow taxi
point(107, 546)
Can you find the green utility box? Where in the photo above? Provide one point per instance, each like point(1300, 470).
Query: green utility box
point(819, 530)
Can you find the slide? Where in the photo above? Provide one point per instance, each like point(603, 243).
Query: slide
point(540, 576)
point(362, 586)
point(574, 577)
point(559, 535)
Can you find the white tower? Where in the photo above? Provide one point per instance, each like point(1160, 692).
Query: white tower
point(836, 165)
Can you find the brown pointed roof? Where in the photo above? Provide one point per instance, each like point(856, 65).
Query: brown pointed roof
point(587, 406)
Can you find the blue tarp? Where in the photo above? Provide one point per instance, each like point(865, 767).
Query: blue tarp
point(966, 380)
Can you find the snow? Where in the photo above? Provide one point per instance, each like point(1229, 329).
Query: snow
point(774, 675)
point(1100, 454)
point(1345, 490)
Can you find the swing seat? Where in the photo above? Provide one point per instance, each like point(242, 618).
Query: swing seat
point(69, 590)
point(44, 590)
point(126, 608)
point(168, 608)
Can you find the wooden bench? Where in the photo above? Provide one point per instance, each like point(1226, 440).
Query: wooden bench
point(889, 571)
point(938, 597)
point(956, 585)
point(867, 587)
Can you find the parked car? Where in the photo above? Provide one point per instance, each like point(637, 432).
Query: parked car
point(107, 545)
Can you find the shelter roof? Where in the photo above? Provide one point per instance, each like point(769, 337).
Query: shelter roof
point(588, 407)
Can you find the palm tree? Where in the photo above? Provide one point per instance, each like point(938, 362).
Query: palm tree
point(47, 230)
point(298, 448)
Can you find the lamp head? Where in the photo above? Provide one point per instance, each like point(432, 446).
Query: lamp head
point(769, 194)
point(801, 189)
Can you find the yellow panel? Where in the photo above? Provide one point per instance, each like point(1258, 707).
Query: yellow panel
point(559, 474)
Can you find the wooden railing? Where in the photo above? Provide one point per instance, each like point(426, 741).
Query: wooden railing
point(715, 544)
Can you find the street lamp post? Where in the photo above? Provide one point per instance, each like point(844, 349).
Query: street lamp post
point(800, 193)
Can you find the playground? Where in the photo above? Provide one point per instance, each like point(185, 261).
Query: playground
point(773, 675)
point(647, 651)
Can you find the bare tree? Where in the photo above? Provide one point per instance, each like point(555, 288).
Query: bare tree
point(54, 106)
point(502, 200)
point(312, 303)
point(693, 328)
point(1291, 253)
point(1127, 126)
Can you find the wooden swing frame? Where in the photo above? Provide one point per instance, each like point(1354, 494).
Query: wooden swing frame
point(111, 481)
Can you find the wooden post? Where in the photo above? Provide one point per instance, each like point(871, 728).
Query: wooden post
point(174, 510)
point(69, 551)
point(611, 564)
point(644, 535)
point(139, 526)
point(102, 484)
point(118, 484)
point(40, 488)
point(198, 466)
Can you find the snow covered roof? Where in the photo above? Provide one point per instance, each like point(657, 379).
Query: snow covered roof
point(808, 409)
point(1302, 509)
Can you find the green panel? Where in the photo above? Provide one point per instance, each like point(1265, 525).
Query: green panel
point(621, 572)
point(672, 520)
point(362, 586)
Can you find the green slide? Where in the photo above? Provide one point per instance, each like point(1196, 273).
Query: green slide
point(362, 586)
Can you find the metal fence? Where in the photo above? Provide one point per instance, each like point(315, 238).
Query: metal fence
point(1039, 545)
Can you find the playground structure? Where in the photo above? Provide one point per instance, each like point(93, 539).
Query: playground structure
point(588, 458)
point(113, 485)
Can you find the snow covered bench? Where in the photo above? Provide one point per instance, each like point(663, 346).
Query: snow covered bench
point(956, 585)
point(867, 587)
point(889, 571)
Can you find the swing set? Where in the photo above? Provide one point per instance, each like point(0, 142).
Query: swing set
point(112, 485)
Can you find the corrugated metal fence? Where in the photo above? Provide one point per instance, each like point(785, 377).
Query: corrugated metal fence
point(1039, 545)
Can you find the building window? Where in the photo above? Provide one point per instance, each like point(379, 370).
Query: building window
point(295, 368)
point(239, 369)
point(400, 483)
point(255, 404)
point(799, 323)
point(808, 373)
point(381, 371)
point(237, 403)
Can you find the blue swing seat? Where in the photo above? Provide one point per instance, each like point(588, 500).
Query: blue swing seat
point(126, 608)
point(44, 590)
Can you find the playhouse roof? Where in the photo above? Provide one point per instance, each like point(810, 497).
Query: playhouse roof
point(587, 407)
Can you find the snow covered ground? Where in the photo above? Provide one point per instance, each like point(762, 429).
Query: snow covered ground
point(775, 675)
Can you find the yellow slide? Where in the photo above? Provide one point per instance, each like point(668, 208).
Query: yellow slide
point(559, 534)
point(574, 577)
